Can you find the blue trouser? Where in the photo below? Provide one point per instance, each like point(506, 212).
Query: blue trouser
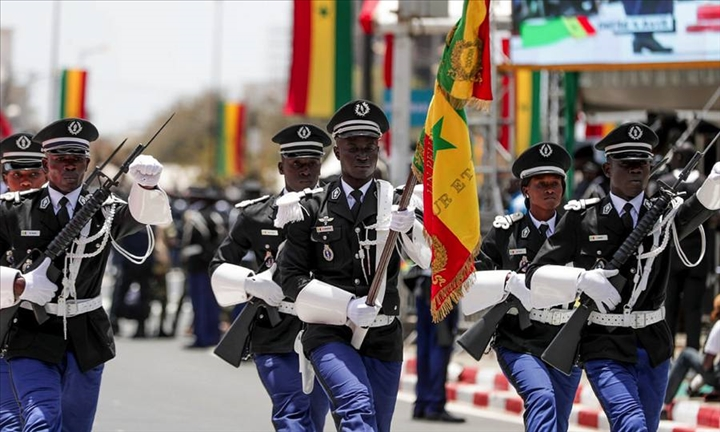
point(432, 361)
point(9, 408)
point(206, 321)
point(292, 409)
point(631, 394)
point(547, 393)
point(362, 390)
point(56, 397)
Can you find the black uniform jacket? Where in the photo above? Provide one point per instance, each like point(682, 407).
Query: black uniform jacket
point(253, 230)
point(513, 249)
point(584, 237)
point(32, 224)
point(324, 246)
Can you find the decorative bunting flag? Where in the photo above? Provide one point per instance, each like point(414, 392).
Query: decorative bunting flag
point(540, 31)
point(443, 159)
point(72, 93)
point(322, 59)
point(230, 154)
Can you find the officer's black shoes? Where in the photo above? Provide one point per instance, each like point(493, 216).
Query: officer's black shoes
point(444, 416)
point(647, 41)
point(418, 415)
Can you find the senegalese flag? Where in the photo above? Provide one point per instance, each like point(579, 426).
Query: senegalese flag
point(230, 154)
point(72, 93)
point(443, 159)
point(527, 109)
point(546, 31)
point(322, 59)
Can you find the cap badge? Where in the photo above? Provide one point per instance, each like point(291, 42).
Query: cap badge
point(23, 142)
point(304, 132)
point(75, 127)
point(362, 109)
point(635, 132)
point(545, 150)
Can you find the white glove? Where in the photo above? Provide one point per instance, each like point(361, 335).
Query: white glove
point(709, 192)
point(360, 313)
point(596, 285)
point(402, 221)
point(146, 170)
point(38, 288)
point(516, 286)
point(262, 286)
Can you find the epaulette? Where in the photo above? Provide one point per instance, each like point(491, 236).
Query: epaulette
point(16, 196)
point(289, 208)
point(506, 221)
point(243, 204)
point(581, 204)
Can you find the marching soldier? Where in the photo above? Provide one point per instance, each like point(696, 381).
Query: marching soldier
point(56, 367)
point(328, 264)
point(626, 351)
point(21, 160)
point(510, 245)
point(272, 347)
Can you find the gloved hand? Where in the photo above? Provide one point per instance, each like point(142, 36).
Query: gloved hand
point(402, 221)
point(516, 286)
point(38, 288)
point(262, 286)
point(360, 313)
point(146, 170)
point(596, 285)
point(709, 192)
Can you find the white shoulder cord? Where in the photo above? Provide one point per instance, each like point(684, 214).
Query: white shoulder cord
point(137, 259)
point(643, 272)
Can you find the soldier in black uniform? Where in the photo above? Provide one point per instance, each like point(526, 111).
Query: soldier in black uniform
point(301, 150)
point(626, 351)
point(56, 367)
point(510, 245)
point(21, 160)
point(328, 264)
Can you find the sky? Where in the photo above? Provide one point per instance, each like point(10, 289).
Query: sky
point(142, 56)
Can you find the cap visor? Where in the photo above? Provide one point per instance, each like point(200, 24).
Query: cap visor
point(349, 134)
point(632, 156)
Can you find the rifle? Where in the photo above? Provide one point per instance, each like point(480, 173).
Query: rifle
point(232, 346)
point(68, 234)
point(360, 332)
point(561, 352)
point(476, 338)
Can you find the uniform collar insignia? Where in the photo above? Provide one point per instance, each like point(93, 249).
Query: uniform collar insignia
point(45, 202)
point(647, 203)
point(607, 209)
point(525, 232)
point(335, 193)
point(82, 199)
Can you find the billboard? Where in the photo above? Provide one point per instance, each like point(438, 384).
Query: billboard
point(588, 34)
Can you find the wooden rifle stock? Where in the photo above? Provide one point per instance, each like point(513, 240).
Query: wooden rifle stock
point(360, 332)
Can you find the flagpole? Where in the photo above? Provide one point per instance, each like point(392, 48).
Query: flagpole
point(216, 80)
point(54, 62)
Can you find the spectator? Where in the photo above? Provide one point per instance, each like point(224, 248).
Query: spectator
point(705, 366)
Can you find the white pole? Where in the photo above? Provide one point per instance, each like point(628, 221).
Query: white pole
point(54, 108)
point(400, 153)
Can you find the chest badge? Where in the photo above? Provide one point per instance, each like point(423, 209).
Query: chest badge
point(599, 237)
point(523, 263)
point(269, 232)
point(269, 259)
point(328, 253)
point(520, 251)
point(325, 219)
point(525, 232)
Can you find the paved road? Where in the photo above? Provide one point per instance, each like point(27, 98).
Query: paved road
point(156, 385)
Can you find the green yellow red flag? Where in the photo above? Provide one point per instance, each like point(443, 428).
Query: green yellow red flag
point(72, 93)
point(443, 158)
point(230, 152)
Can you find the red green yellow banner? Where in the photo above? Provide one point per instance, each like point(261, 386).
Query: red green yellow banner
point(230, 154)
point(72, 93)
point(527, 109)
point(322, 59)
point(443, 160)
